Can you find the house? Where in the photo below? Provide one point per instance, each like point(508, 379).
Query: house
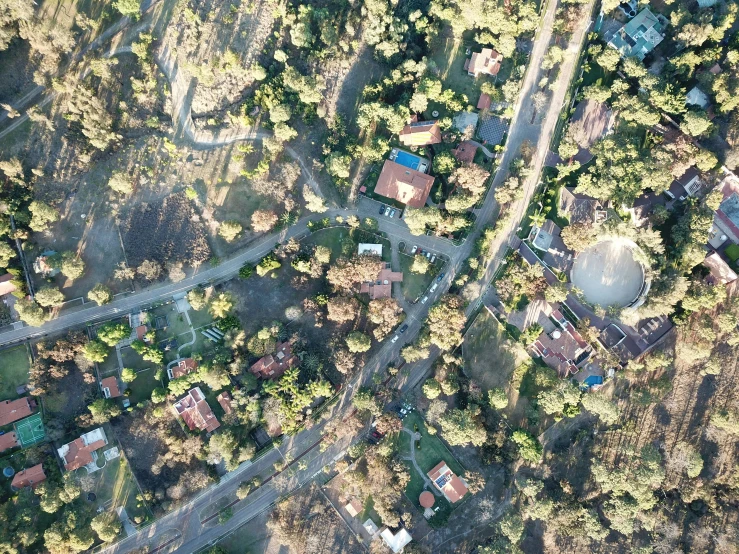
point(141, 331)
point(726, 218)
point(6, 284)
point(420, 133)
point(688, 184)
point(225, 400)
point(8, 440)
point(382, 286)
point(696, 97)
point(547, 239)
point(451, 486)
point(404, 184)
point(396, 541)
point(465, 152)
point(274, 365)
point(371, 527)
point(492, 129)
point(29, 477)
point(640, 35)
point(563, 349)
point(484, 102)
point(13, 410)
point(720, 271)
point(354, 507)
point(486, 62)
point(183, 367)
point(81, 452)
point(369, 249)
point(110, 387)
point(644, 207)
point(580, 208)
point(195, 411)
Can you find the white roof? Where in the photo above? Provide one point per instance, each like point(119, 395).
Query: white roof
point(370, 526)
point(365, 248)
point(697, 97)
point(397, 541)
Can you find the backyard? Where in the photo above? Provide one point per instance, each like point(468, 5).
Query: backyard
point(15, 364)
point(343, 241)
point(143, 385)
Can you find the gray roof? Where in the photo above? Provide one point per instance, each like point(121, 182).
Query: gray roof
point(492, 129)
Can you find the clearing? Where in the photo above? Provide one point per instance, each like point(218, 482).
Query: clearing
point(15, 364)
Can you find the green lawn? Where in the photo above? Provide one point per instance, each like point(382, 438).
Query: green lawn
point(142, 386)
point(14, 366)
point(450, 55)
point(114, 487)
point(200, 318)
point(414, 285)
point(110, 365)
point(176, 321)
point(133, 360)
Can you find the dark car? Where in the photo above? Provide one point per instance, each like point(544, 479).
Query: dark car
point(440, 277)
point(382, 209)
point(403, 328)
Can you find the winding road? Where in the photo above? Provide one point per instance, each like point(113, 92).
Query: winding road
point(182, 530)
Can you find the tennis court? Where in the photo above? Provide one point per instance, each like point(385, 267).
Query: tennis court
point(30, 430)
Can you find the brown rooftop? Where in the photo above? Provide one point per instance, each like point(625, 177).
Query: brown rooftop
point(111, 384)
point(183, 367)
point(487, 61)
point(484, 102)
point(382, 286)
point(8, 440)
point(13, 410)
point(196, 412)
point(465, 152)
point(29, 477)
point(404, 184)
point(274, 365)
point(78, 453)
point(225, 400)
point(447, 482)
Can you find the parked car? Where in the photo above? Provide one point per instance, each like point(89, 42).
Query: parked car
point(433, 258)
point(433, 287)
point(440, 277)
point(424, 299)
point(395, 339)
point(382, 209)
point(420, 252)
point(414, 249)
point(404, 328)
point(428, 255)
point(392, 213)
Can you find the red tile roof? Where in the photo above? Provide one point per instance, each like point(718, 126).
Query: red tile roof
point(484, 102)
point(421, 133)
point(184, 367)
point(382, 286)
point(404, 184)
point(195, 411)
point(78, 453)
point(141, 331)
point(447, 482)
point(225, 400)
point(465, 152)
point(111, 383)
point(274, 365)
point(8, 440)
point(29, 477)
point(487, 61)
point(13, 410)
point(6, 287)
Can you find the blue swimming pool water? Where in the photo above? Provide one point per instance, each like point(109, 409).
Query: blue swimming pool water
point(408, 160)
point(593, 380)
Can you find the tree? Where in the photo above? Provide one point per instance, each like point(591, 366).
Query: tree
point(444, 163)
point(529, 448)
point(100, 294)
point(446, 319)
point(554, 400)
point(221, 304)
point(103, 409)
point(158, 395)
point(608, 59)
point(696, 124)
point(41, 215)
point(196, 299)
point(107, 525)
point(49, 296)
point(386, 314)
point(267, 264)
point(498, 398)
point(338, 165)
point(95, 351)
point(431, 389)
point(420, 264)
point(30, 312)
point(243, 490)
point(128, 375)
point(358, 342)
point(230, 230)
point(347, 274)
point(342, 309)
point(556, 292)
point(149, 270)
point(418, 220)
point(578, 236)
point(413, 353)
point(6, 254)
point(512, 527)
point(462, 427)
point(606, 410)
point(120, 182)
point(364, 401)
point(263, 220)
point(313, 202)
point(113, 333)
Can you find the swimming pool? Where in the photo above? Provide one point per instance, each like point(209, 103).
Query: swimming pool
point(408, 160)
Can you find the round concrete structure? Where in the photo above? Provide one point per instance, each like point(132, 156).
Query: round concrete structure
point(608, 274)
point(426, 499)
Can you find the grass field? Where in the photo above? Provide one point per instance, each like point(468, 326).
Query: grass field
point(110, 365)
point(450, 55)
point(133, 360)
point(414, 285)
point(343, 241)
point(115, 487)
point(14, 366)
point(142, 386)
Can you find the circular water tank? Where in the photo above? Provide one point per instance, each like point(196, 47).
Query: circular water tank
point(556, 334)
point(8, 471)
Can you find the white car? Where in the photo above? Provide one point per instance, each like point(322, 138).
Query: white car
point(433, 288)
point(424, 299)
point(414, 249)
point(433, 258)
point(395, 339)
